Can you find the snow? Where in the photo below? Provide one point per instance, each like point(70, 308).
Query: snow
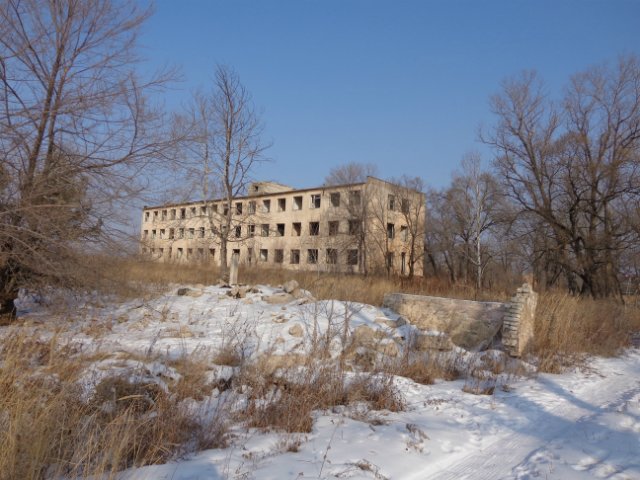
point(579, 425)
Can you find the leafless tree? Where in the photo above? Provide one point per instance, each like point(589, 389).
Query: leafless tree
point(574, 167)
point(76, 127)
point(224, 144)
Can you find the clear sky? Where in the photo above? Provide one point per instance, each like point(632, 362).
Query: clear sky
point(400, 84)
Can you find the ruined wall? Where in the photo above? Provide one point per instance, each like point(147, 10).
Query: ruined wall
point(470, 324)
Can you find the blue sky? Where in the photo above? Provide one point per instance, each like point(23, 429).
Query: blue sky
point(400, 84)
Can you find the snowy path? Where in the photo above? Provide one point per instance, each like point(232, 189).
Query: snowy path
point(586, 431)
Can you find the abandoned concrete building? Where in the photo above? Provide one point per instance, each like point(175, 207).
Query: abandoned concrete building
point(373, 226)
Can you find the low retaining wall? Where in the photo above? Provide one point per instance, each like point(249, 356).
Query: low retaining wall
point(470, 324)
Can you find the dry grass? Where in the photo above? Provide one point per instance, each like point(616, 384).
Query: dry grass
point(426, 368)
point(48, 428)
point(569, 327)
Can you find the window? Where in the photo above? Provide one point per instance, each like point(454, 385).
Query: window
point(146, 216)
point(252, 230)
point(332, 256)
point(189, 253)
point(266, 206)
point(162, 232)
point(352, 257)
point(236, 251)
point(390, 261)
point(391, 202)
point(282, 204)
point(144, 250)
point(201, 232)
point(297, 229)
point(161, 252)
point(214, 208)
point(335, 199)
point(201, 254)
point(223, 229)
point(403, 263)
point(237, 231)
point(164, 214)
point(193, 211)
point(170, 252)
point(249, 255)
point(334, 226)
point(280, 229)
point(172, 233)
point(252, 207)
point(315, 200)
point(297, 202)
point(183, 213)
point(314, 228)
point(294, 257)
point(153, 234)
point(265, 230)
point(155, 215)
point(145, 234)
point(404, 233)
point(192, 232)
point(238, 208)
point(264, 255)
point(212, 253)
point(278, 255)
point(312, 256)
point(180, 252)
point(225, 209)
point(391, 230)
point(354, 198)
point(181, 233)
point(203, 210)
point(406, 205)
point(354, 227)
point(173, 214)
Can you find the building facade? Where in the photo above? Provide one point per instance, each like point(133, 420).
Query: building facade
point(373, 226)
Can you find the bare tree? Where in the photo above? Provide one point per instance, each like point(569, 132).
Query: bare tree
point(574, 167)
point(224, 145)
point(76, 127)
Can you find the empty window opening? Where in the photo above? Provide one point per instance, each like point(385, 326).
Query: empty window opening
point(173, 214)
point(225, 209)
point(354, 227)
point(280, 229)
point(278, 255)
point(252, 230)
point(297, 229)
point(249, 255)
point(406, 205)
point(172, 233)
point(162, 232)
point(354, 198)
point(335, 199)
point(314, 228)
point(265, 230)
point(252, 207)
point(315, 200)
point(183, 213)
point(212, 253)
point(266, 206)
point(391, 230)
point(164, 214)
point(334, 227)
point(161, 251)
point(169, 252)
point(193, 211)
point(238, 208)
point(189, 253)
point(192, 232)
point(201, 254)
point(236, 251)
point(264, 255)
point(390, 260)
point(238, 231)
point(181, 233)
point(155, 215)
point(145, 234)
point(403, 263)
point(352, 257)
point(201, 232)
point(391, 202)
point(203, 210)
point(180, 253)
point(153, 234)
point(297, 202)
point(146, 216)
point(282, 204)
point(332, 256)
point(312, 256)
point(294, 257)
point(404, 233)
point(214, 208)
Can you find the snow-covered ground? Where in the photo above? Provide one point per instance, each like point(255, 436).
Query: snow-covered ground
point(579, 425)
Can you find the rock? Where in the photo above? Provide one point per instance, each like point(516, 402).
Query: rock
point(237, 292)
point(390, 322)
point(278, 298)
point(279, 319)
point(290, 286)
point(471, 325)
point(296, 330)
point(423, 342)
point(189, 292)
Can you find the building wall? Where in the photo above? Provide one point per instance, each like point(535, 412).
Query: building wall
point(311, 229)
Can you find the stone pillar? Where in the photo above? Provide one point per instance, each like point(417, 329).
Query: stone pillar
point(233, 272)
point(518, 324)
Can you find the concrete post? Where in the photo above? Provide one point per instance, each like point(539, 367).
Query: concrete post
point(233, 273)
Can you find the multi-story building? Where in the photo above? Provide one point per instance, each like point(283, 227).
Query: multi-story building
point(361, 227)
